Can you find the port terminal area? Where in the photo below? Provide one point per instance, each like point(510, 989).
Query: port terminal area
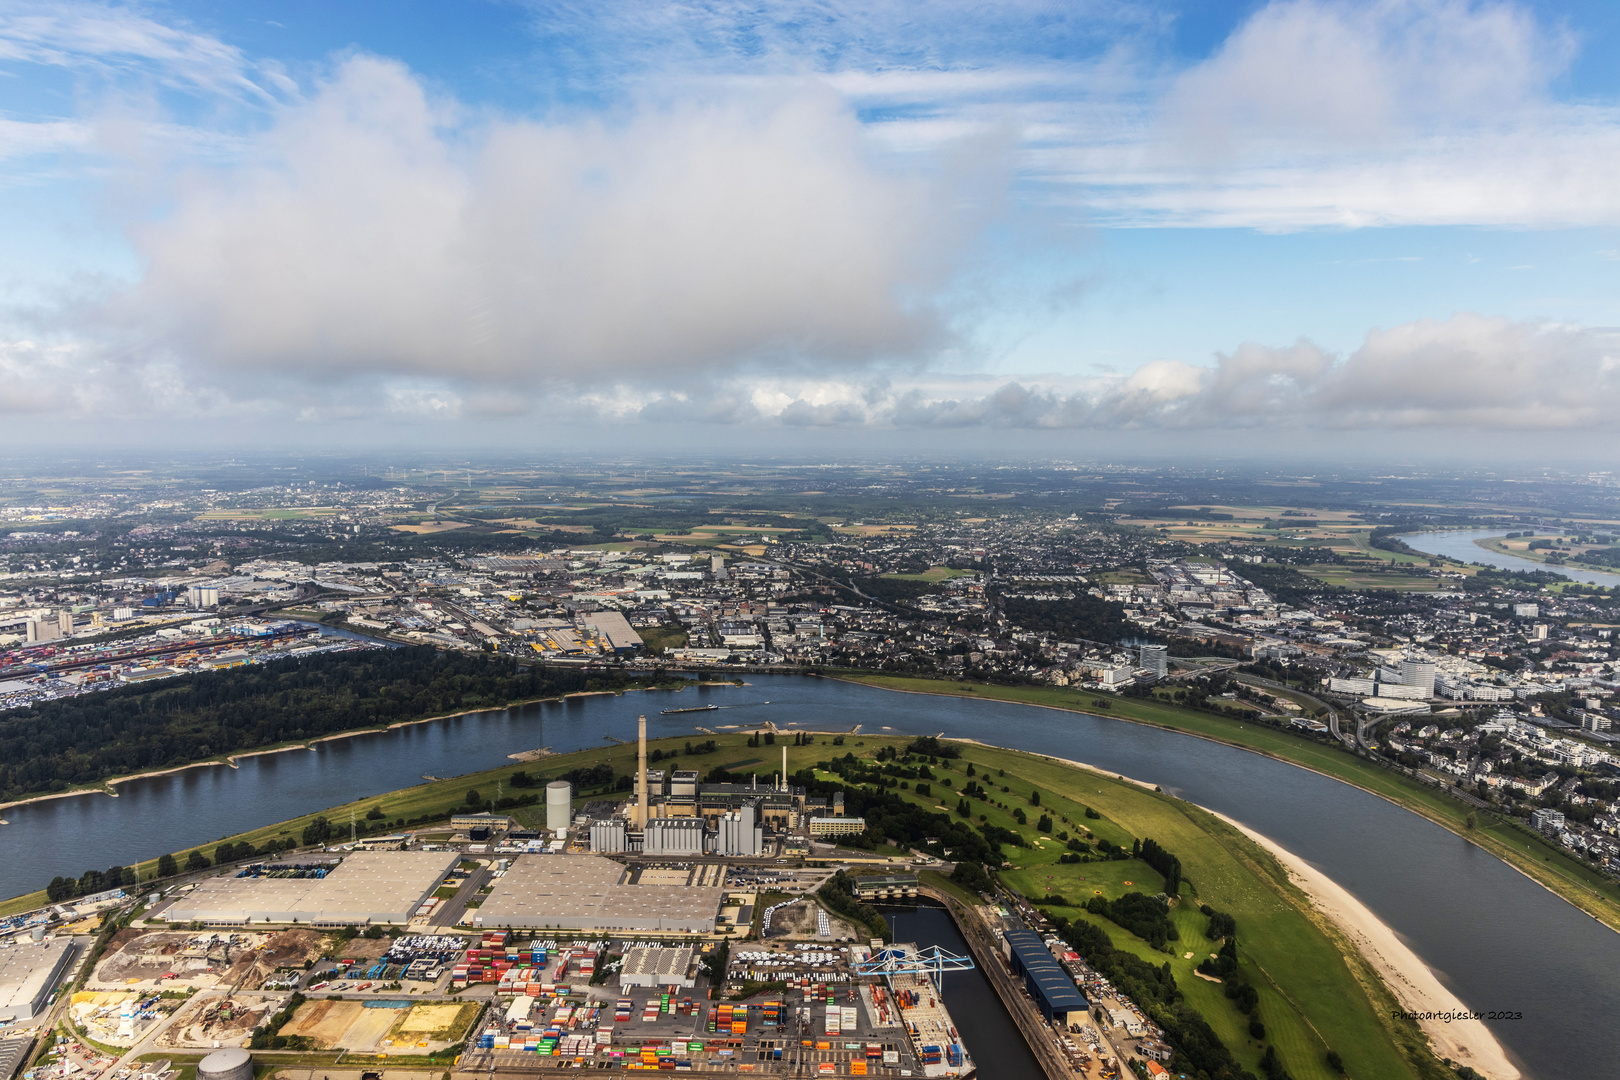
point(783, 985)
point(778, 1009)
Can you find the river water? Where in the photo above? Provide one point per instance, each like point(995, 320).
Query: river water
point(1459, 544)
point(1499, 940)
point(997, 1046)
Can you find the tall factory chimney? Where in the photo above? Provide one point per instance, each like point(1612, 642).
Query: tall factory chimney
point(784, 766)
point(641, 773)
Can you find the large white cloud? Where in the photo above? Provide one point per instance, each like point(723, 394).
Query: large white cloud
point(376, 229)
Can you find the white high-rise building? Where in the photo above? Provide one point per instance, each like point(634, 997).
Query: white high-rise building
point(1419, 674)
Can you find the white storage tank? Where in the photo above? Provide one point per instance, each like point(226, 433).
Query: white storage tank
point(232, 1063)
point(559, 805)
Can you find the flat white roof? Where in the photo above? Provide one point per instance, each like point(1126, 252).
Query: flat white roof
point(27, 970)
point(588, 892)
point(367, 886)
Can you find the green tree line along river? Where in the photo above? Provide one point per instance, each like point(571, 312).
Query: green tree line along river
point(73, 742)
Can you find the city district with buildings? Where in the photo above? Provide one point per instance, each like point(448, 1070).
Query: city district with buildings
point(622, 935)
point(679, 924)
point(1497, 686)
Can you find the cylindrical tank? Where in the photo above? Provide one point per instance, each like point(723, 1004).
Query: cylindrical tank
point(37, 933)
point(559, 804)
point(232, 1063)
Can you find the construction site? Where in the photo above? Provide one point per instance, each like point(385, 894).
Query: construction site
point(138, 960)
point(214, 1020)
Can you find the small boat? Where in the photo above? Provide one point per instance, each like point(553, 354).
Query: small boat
point(697, 708)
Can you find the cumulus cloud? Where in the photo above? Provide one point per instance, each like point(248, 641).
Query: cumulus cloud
point(1467, 371)
point(374, 228)
point(1341, 72)
point(86, 381)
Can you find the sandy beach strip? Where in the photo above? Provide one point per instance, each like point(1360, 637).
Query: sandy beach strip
point(1463, 1039)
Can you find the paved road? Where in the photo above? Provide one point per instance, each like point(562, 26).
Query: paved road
point(1332, 710)
point(449, 913)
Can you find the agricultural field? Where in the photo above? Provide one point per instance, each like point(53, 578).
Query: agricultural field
point(428, 528)
point(1342, 532)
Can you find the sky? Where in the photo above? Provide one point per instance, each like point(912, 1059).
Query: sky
point(1299, 228)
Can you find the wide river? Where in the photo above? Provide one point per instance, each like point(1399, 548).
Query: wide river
point(1459, 544)
point(1499, 940)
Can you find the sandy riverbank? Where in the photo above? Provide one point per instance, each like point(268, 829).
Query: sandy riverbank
point(1465, 1041)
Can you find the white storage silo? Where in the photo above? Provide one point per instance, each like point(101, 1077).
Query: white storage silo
point(559, 805)
point(228, 1064)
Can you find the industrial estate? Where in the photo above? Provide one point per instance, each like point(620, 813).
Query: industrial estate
point(705, 927)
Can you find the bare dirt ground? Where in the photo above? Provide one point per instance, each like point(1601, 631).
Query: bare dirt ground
point(141, 960)
point(324, 1021)
point(428, 1028)
point(798, 921)
point(212, 1019)
point(362, 948)
point(369, 1029)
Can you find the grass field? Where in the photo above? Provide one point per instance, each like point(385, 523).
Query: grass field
point(1353, 577)
point(1507, 839)
point(933, 575)
point(659, 638)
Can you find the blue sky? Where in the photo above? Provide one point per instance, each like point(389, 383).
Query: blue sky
point(1098, 224)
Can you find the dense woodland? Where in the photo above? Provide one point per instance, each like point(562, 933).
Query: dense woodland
point(1083, 617)
point(58, 744)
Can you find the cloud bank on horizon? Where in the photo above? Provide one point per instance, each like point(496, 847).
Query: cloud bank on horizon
point(802, 215)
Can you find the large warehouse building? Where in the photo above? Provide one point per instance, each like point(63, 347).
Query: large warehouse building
point(28, 972)
point(1053, 990)
point(367, 887)
point(587, 892)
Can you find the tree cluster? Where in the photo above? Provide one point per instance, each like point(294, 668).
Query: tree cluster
point(53, 745)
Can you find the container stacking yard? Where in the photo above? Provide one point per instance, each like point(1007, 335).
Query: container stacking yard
point(818, 1011)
